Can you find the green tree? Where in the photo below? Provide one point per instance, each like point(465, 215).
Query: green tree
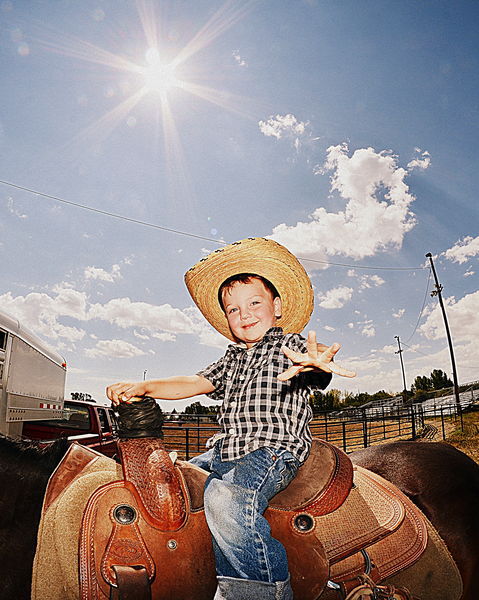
point(80, 396)
point(195, 409)
point(440, 380)
point(422, 384)
point(330, 400)
point(381, 395)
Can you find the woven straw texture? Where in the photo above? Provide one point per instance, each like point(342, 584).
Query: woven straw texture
point(261, 257)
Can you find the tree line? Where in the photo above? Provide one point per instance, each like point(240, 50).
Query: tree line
point(423, 388)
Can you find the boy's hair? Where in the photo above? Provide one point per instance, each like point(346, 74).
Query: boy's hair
point(245, 278)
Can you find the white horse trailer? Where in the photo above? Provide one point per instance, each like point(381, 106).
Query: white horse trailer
point(32, 378)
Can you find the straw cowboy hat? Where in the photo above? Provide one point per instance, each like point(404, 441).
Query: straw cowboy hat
point(262, 257)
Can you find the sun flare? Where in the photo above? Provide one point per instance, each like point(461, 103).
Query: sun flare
point(159, 76)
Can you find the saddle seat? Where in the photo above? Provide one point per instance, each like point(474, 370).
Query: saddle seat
point(321, 485)
point(147, 532)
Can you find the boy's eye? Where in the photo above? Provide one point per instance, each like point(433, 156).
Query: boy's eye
point(232, 310)
point(255, 302)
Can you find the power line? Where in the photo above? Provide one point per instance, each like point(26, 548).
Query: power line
point(414, 350)
point(428, 356)
point(422, 308)
point(325, 262)
point(186, 233)
point(110, 214)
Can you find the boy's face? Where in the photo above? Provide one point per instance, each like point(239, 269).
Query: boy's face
point(250, 310)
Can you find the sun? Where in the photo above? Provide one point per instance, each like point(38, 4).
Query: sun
point(159, 76)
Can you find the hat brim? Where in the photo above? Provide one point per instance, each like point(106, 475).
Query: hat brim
point(260, 256)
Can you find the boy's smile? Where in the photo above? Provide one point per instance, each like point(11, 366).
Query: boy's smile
point(250, 310)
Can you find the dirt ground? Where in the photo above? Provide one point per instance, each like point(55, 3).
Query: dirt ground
point(468, 440)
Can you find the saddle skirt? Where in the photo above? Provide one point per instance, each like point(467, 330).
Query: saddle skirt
point(148, 529)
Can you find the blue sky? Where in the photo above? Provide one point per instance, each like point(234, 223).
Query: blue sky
point(345, 130)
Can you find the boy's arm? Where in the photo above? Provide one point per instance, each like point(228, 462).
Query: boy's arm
point(170, 388)
point(314, 359)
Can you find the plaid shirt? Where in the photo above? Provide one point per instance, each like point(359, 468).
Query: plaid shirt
point(258, 410)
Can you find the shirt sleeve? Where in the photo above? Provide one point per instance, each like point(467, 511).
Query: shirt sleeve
point(314, 380)
point(215, 374)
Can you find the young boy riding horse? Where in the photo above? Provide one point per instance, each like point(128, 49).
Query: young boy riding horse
point(257, 294)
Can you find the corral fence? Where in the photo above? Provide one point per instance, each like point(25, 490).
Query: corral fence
point(349, 429)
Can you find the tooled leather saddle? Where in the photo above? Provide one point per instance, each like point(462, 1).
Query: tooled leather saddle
point(145, 536)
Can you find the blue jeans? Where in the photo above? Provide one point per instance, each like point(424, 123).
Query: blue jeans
point(236, 495)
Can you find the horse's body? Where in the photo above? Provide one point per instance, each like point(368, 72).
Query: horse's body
point(443, 482)
point(24, 473)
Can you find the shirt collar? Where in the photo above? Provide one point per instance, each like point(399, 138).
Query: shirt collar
point(272, 334)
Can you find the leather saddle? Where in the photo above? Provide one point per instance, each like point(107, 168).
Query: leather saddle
point(145, 536)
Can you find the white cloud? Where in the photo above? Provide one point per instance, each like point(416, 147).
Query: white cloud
point(239, 60)
point(463, 250)
point(102, 275)
point(206, 334)
point(141, 336)
point(284, 126)
point(376, 216)
point(469, 272)
point(40, 312)
point(463, 318)
point(14, 211)
point(164, 337)
point(422, 161)
point(375, 280)
point(336, 297)
point(329, 328)
point(125, 313)
point(389, 349)
point(399, 314)
point(366, 281)
point(368, 330)
point(114, 349)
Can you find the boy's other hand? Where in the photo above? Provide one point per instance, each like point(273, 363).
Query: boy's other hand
point(317, 357)
point(125, 392)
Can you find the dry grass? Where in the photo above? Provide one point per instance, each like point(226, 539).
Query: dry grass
point(468, 440)
point(351, 433)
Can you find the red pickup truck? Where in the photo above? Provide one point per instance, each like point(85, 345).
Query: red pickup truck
point(83, 421)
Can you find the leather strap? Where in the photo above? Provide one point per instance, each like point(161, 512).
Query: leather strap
point(132, 583)
point(367, 589)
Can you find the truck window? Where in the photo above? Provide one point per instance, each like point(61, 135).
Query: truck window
point(74, 417)
point(3, 340)
point(3, 345)
point(105, 428)
point(113, 422)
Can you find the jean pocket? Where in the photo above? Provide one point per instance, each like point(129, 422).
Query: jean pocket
point(288, 466)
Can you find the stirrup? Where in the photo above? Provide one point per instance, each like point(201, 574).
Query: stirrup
point(368, 590)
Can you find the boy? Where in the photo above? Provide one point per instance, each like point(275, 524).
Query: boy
point(257, 294)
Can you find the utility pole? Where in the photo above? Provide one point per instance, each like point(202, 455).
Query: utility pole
point(437, 292)
point(402, 368)
point(144, 374)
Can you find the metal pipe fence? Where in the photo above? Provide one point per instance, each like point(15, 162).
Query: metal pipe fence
point(350, 429)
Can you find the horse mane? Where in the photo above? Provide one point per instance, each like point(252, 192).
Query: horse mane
point(25, 468)
point(37, 458)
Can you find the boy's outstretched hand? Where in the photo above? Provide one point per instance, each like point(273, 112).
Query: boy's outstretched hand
point(317, 357)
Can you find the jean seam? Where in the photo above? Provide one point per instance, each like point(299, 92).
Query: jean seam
point(263, 550)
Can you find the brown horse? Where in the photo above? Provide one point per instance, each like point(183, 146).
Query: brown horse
point(443, 482)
